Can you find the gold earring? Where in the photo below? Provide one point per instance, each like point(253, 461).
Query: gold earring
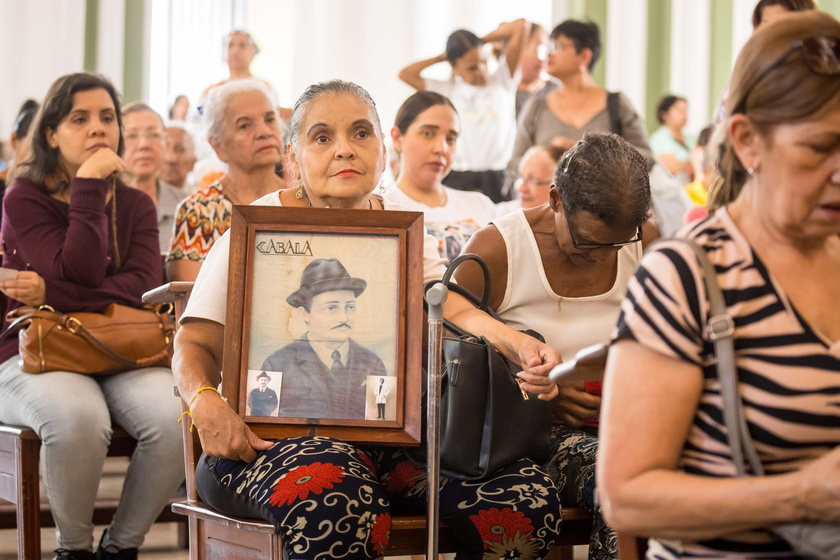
point(299, 194)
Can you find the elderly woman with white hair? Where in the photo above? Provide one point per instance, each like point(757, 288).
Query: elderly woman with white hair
point(244, 130)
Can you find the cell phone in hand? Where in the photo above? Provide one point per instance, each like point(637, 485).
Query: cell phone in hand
point(7, 274)
point(587, 365)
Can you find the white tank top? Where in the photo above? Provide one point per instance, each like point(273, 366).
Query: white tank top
point(567, 323)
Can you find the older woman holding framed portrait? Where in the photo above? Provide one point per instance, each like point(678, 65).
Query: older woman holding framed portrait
point(337, 156)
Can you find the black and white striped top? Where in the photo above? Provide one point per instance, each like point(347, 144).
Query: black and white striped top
point(790, 374)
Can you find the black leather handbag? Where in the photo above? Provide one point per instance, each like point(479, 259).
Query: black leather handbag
point(487, 421)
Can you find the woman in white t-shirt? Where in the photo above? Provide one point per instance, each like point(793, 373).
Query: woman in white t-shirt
point(485, 100)
point(425, 134)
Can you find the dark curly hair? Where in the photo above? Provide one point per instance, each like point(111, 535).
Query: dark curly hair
point(605, 175)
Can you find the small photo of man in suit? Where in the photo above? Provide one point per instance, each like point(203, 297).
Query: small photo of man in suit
point(263, 400)
point(325, 371)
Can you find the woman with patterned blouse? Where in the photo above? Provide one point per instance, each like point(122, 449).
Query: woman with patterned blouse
point(666, 468)
point(244, 131)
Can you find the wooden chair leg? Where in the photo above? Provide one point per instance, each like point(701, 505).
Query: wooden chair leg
point(26, 448)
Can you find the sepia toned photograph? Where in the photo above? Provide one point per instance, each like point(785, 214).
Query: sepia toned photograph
point(317, 320)
point(321, 327)
point(263, 392)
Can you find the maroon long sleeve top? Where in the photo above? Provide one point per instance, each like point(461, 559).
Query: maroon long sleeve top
point(71, 246)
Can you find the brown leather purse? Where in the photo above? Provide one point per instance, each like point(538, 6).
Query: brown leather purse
point(121, 338)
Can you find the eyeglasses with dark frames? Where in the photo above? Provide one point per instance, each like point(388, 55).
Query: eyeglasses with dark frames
point(593, 246)
point(820, 53)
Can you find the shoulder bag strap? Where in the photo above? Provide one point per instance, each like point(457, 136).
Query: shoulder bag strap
point(17, 317)
point(720, 329)
point(614, 112)
point(481, 303)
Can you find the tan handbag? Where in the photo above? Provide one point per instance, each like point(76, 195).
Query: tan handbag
point(121, 338)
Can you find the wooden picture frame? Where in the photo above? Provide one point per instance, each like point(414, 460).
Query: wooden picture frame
point(327, 305)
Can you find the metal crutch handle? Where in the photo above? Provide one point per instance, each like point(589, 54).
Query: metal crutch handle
point(435, 296)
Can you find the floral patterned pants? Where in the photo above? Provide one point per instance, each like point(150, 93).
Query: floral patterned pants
point(572, 468)
point(331, 499)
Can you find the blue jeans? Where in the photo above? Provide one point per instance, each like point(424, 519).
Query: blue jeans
point(72, 414)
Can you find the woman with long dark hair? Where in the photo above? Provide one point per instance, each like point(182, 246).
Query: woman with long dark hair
point(82, 240)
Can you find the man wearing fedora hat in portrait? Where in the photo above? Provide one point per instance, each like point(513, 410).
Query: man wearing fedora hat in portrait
point(324, 371)
point(263, 400)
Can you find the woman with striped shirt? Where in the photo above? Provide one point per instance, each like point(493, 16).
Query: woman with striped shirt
point(665, 468)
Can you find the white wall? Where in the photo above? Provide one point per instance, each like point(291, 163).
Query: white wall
point(307, 42)
point(110, 47)
point(40, 41)
point(304, 41)
point(690, 44)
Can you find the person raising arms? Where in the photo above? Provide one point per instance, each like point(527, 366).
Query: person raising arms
point(484, 100)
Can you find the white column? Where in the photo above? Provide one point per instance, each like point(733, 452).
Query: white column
point(690, 51)
point(110, 47)
point(741, 24)
point(626, 52)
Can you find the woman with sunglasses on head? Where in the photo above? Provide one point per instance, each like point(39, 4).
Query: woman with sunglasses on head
point(561, 269)
point(337, 156)
point(666, 468)
point(82, 240)
point(561, 117)
point(240, 51)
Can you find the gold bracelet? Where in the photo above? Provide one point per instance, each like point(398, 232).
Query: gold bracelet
point(192, 400)
point(208, 388)
point(181, 418)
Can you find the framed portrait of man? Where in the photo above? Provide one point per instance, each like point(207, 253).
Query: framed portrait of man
point(323, 322)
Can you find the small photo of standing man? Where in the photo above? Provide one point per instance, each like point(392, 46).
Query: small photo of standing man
point(381, 393)
point(382, 398)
